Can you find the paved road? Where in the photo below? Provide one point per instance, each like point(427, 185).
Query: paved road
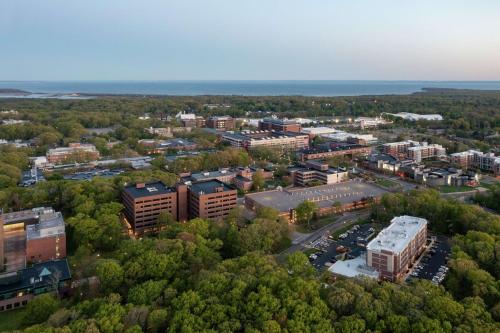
point(348, 218)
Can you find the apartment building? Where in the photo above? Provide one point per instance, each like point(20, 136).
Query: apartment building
point(397, 247)
point(397, 149)
point(144, 203)
point(279, 125)
point(476, 159)
point(79, 152)
point(224, 123)
point(211, 199)
point(418, 153)
point(271, 139)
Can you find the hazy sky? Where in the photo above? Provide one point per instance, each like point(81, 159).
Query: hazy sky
point(252, 39)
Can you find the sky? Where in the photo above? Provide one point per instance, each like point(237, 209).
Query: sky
point(249, 40)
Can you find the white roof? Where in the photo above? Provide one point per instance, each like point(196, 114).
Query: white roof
point(353, 268)
point(319, 130)
point(398, 234)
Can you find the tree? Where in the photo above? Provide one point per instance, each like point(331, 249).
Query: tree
point(157, 321)
point(40, 308)
point(258, 180)
point(110, 275)
point(164, 219)
point(305, 212)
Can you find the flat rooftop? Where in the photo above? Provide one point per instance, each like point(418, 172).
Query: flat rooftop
point(201, 176)
point(208, 187)
point(50, 224)
point(323, 195)
point(398, 234)
point(353, 268)
point(148, 189)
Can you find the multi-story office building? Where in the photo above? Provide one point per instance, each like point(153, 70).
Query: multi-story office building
point(334, 149)
point(424, 151)
point(79, 152)
point(211, 199)
point(271, 139)
point(396, 247)
point(46, 240)
point(319, 172)
point(225, 123)
point(144, 203)
point(279, 125)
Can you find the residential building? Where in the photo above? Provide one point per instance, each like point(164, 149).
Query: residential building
point(400, 148)
point(395, 248)
point(424, 151)
point(476, 159)
point(271, 139)
point(225, 123)
point(279, 125)
point(211, 199)
point(46, 240)
point(75, 152)
point(144, 202)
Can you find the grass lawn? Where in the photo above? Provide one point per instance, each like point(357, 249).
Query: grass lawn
point(387, 183)
point(11, 320)
point(452, 189)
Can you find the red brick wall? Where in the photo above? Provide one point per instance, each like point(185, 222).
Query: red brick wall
point(45, 249)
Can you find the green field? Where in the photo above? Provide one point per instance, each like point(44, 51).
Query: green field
point(387, 183)
point(11, 320)
point(452, 189)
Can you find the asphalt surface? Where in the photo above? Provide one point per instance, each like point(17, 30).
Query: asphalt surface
point(348, 218)
point(433, 259)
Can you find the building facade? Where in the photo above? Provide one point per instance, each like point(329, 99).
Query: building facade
point(79, 152)
point(397, 247)
point(144, 202)
point(46, 240)
point(270, 139)
point(225, 123)
point(211, 199)
point(279, 125)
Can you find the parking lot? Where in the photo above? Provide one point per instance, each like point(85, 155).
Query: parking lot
point(433, 265)
point(351, 243)
point(88, 175)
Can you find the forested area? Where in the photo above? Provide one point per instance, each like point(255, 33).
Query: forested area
point(205, 276)
point(223, 277)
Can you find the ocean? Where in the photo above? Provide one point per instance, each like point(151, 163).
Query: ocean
point(64, 89)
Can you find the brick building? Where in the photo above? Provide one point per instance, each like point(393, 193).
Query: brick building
point(144, 203)
point(206, 199)
point(270, 139)
point(279, 125)
point(397, 247)
point(211, 199)
point(224, 123)
point(79, 152)
point(46, 240)
point(334, 149)
point(320, 172)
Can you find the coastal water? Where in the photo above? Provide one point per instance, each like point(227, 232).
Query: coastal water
point(64, 89)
